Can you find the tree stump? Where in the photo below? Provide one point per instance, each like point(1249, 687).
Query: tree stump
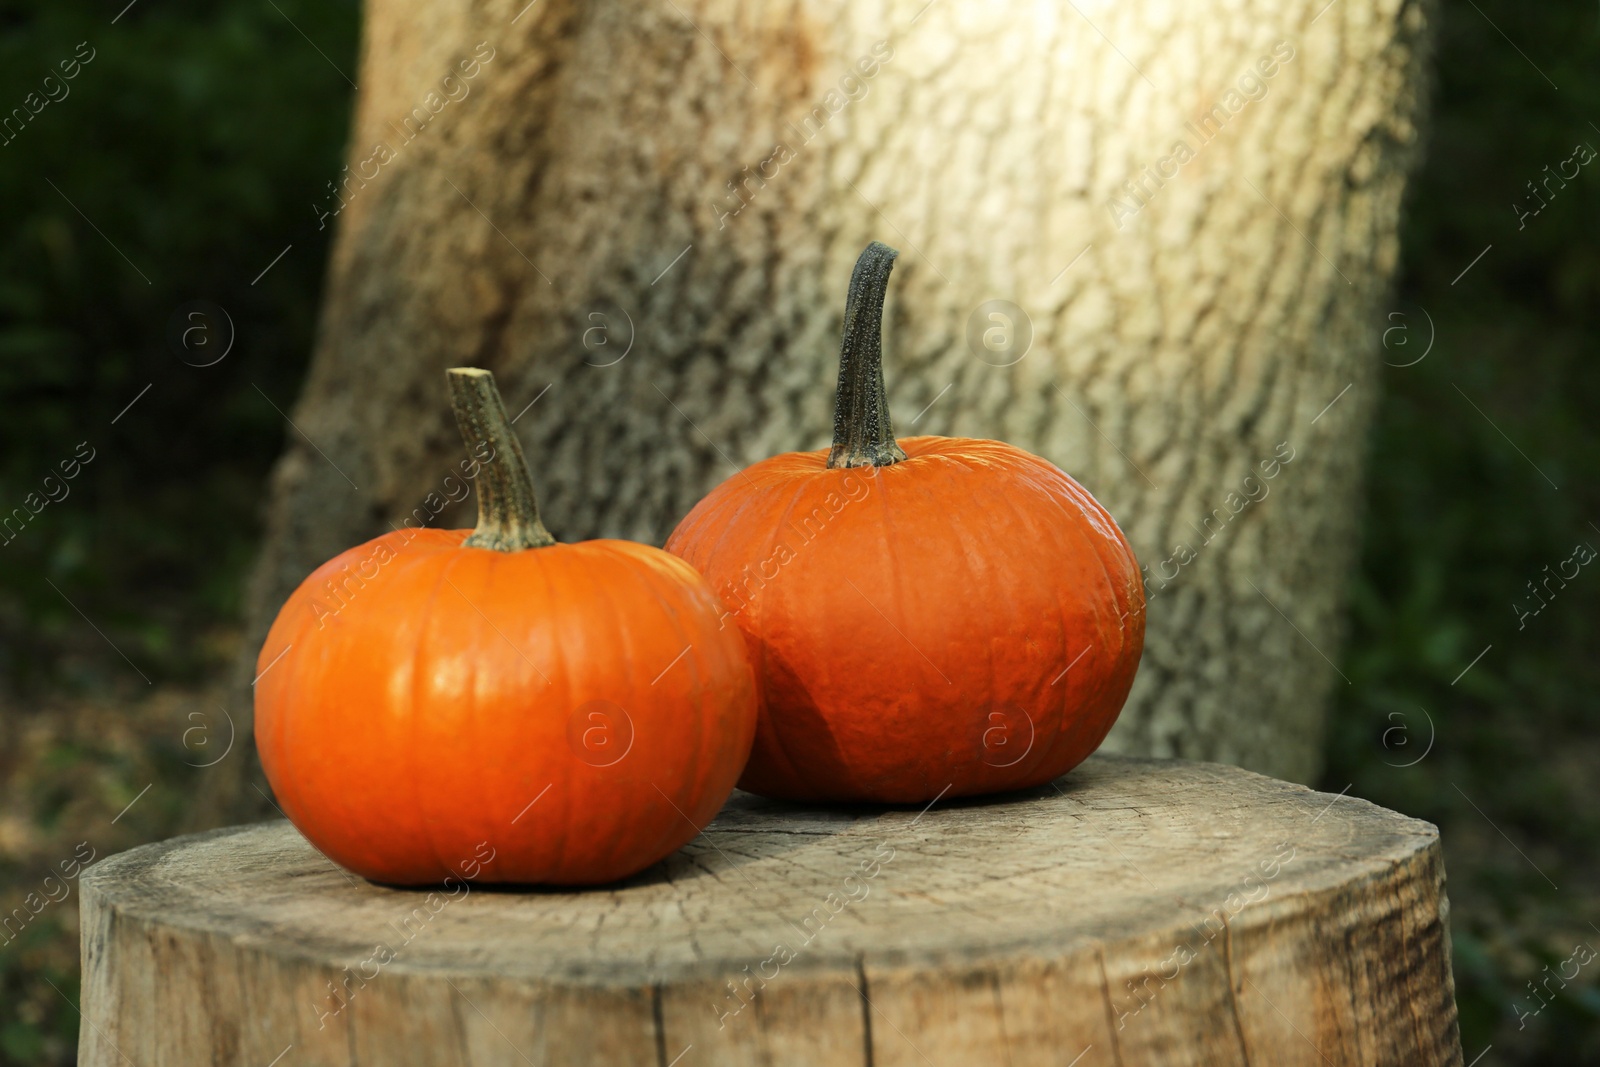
point(1133, 912)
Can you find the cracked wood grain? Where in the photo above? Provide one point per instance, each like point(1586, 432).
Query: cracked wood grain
point(1037, 928)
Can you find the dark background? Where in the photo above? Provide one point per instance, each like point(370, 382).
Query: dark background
point(199, 136)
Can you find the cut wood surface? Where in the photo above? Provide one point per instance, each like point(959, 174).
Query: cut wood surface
point(1133, 912)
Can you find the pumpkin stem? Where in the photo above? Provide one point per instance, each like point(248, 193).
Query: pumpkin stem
point(508, 514)
point(862, 436)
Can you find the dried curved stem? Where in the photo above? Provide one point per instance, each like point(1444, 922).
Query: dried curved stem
point(508, 514)
point(862, 435)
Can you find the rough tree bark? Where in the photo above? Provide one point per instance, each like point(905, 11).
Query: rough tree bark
point(1193, 313)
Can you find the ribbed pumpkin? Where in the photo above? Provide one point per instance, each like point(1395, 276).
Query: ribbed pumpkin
point(490, 704)
point(937, 616)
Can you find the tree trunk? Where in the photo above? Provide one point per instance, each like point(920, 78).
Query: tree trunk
point(643, 219)
point(1134, 913)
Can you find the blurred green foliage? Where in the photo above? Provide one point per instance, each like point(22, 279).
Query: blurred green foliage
point(1463, 510)
point(187, 156)
point(183, 158)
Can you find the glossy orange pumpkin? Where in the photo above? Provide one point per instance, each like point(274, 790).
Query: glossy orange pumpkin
point(494, 705)
point(937, 616)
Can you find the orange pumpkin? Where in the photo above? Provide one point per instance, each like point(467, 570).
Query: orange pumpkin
point(929, 617)
point(490, 704)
